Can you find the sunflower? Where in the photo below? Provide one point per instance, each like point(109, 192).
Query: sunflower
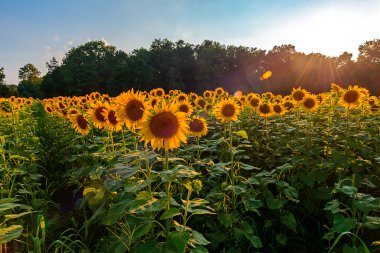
point(254, 101)
point(132, 108)
point(112, 122)
point(351, 97)
point(200, 102)
point(185, 107)
point(182, 97)
point(198, 126)
point(49, 108)
point(310, 103)
point(373, 100)
point(264, 109)
point(298, 94)
point(267, 95)
point(227, 110)
point(5, 107)
point(72, 111)
point(208, 94)
point(193, 96)
point(219, 91)
point(159, 92)
point(288, 105)
point(278, 109)
point(165, 128)
point(80, 123)
point(96, 114)
point(94, 96)
point(208, 107)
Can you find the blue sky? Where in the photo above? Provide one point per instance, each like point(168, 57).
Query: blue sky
point(35, 31)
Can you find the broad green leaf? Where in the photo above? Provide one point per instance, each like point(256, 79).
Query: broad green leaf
point(146, 247)
point(343, 224)
point(170, 213)
point(9, 233)
point(197, 238)
point(282, 239)
point(201, 211)
point(178, 241)
point(289, 221)
point(274, 203)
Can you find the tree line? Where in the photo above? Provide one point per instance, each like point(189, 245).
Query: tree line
point(97, 66)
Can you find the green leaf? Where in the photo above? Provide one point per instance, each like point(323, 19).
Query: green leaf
point(282, 239)
point(253, 204)
point(289, 220)
point(10, 233)
point(372, 222)
point(255, 241)
point(333, 206)
point(274, 203)
point(7, 206)
point(15, 216)
point(228, 219)
point(199, 249)
point(170, 213)
point(242, 134)
point(178, 241)
point(343, 224)
point(198, 238)
point(349, 190)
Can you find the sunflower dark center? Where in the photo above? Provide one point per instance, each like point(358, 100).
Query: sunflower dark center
point(298, 95)
point(134, 110)
point(164, 125)
point(228, 110)
point(254, 102)
point(154, 102)
point(181, 98)
point(82, 122)
point(184, 108)
point(159, 93)
point(351, 96)
point(288, 105)
point(219, 92)
point(309, 103)
point(98, 114)
point(277, 108)
point(264, 109)
point(112, 117)
point(196, 126)
point(201, 103)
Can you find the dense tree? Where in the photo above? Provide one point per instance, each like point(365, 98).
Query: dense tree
point(96, 66)
point(29, 85)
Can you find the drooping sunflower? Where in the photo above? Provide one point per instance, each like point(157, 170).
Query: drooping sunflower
point(227, 110)
point(49, 108)
point(132, 108)
point(96, 114)
point(278, 109)
point(80, 123)
point(310, 103)
point(336, 89)
point(351, 97)
point(200, 102)
point(298, 94)
point(165, 128)
point(288, 105)
point(185, 107)
point(198, 126)
point(112, 122)
point(264, 109)
point(373, 100)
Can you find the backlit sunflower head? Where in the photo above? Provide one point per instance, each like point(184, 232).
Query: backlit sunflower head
point(208, 94)
point(278, 110)
point(264, 109)
point(219, 91)
point(310, 103)
point(181, 97)
point(198, 126)
point(96, 114)
point(132, 108)
point(298, 94)
point(253, 101)
point(112, 122)
point(185, 107)
point(165, 128)
point(227, 110)
point(351, 97)
point(201, 102)
point(159, 92)
point(80, 123)
point(336, 89)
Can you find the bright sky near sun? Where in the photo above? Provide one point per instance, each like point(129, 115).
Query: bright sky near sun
point(35, 31)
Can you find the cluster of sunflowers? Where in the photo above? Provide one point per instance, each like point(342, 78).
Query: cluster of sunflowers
point(166, 120)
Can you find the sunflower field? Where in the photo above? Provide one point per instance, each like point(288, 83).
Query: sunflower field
point(161, 171)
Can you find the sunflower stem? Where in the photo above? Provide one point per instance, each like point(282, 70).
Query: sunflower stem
point(166, 165)
point(198, 149)
point(112, 145)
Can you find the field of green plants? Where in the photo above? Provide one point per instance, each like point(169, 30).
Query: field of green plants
point(153, 172)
